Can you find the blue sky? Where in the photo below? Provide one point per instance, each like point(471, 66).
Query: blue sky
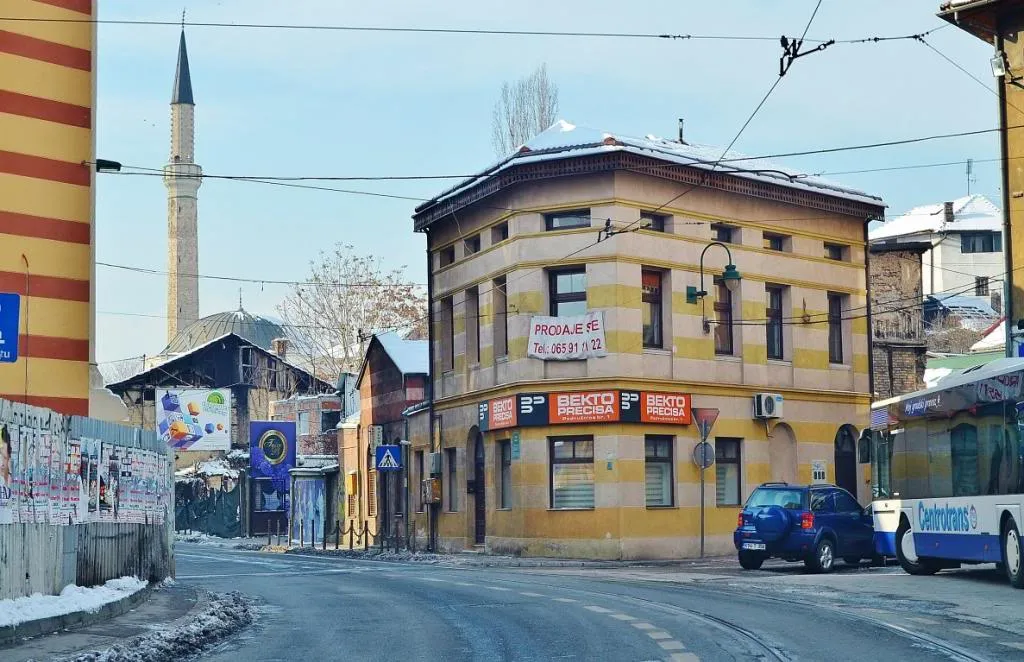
point(328, 103)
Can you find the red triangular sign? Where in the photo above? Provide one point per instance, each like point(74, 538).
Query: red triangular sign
point(705, 419)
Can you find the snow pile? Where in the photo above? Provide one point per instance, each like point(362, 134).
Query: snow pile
point(71, 599)
point(199, 538)
point(223, 615)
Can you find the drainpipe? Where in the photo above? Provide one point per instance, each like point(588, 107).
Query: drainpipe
point(432, 508)
point(871, 326)
point(1008, 307)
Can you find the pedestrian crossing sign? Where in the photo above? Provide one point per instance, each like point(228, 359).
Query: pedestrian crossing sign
point(389, 458)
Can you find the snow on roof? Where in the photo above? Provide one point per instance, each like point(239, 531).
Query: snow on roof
point(565, 140)
point(970, 213)
point(213, 467)
point(410, 356)
point(994, 338)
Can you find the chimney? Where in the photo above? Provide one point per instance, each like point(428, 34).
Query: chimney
point(279, 346)
point(681, 122)
point(947, 213)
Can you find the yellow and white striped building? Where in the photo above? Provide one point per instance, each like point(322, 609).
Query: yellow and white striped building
point(521, 241)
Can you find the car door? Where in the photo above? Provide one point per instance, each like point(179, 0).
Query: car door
point(856, 526)
point(823, 506)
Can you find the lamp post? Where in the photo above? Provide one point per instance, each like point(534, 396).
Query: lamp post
point(730, 275)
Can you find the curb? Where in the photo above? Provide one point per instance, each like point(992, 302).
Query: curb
point(11, 634)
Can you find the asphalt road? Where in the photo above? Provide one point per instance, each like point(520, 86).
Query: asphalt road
point(315, 608)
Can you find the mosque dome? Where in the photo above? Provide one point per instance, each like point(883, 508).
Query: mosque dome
point(258, 330)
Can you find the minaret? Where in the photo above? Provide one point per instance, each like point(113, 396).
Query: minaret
point(182, 177)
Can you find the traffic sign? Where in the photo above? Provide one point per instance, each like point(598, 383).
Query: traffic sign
point(703, 455)
point(705, 419)
point(389, 458)
point(10, 310)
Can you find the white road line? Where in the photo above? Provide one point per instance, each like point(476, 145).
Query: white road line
point(659, 634)
point(1013, 644)
point(565, 600)
point(671, 645)
point(643, 626)
point(684, 657)
point(498, 588)
point(623, 617)
point(971, 633)
point(464, 584)
point(531, 595)
point(285, 573)
point(599, 610)
point(432, 579)
point(923, 621)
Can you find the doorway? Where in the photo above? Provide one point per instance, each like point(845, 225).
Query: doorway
point(846, 459)
point(479, 503)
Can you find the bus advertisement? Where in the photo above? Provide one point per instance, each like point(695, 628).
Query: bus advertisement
point(947, 469)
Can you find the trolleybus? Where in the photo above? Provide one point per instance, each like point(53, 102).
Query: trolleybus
point(948, 472)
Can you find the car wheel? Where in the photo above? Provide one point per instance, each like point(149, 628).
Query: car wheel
point(751, 560)
point(851, 560)
point(823, 558)
point(907, 555)
point(1013, 554)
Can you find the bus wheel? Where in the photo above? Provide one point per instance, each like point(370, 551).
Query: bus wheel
point(907, 555)
point(1013, 552)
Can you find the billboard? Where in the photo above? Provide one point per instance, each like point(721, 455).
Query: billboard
point(194, 420)
point(604, 406)
point(272, 451)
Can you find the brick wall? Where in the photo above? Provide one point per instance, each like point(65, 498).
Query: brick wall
point(897, 329)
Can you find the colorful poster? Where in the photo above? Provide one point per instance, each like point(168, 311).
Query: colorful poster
point(72, 491)
point(41, 478)
point(309, 507)
point(26, 475)
point(194, 420)
point(8, 504)
point(56, 459)
point(272, 451)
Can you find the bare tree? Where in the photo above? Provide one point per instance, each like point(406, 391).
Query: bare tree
point(525, 108)
point(347, 298)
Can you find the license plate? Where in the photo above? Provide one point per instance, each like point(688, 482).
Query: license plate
point(753, 545)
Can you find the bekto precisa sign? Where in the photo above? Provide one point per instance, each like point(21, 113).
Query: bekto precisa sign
point(607, 406)
point(567, 338)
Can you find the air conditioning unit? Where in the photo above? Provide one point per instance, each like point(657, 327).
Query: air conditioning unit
point(767, 405)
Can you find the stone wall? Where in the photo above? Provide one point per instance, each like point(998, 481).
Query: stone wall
point(897, 324)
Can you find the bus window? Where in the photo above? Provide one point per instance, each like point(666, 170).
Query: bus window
point(899, 469)
point(963, 444)
point(881, 465)
point(940, 473)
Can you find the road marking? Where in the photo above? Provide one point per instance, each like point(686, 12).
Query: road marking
point(684, 657)
point(659, 634)
point(463, 584)
point(623, 617)
point(671, 645)
point(971, 633)
point(284, 573)
point(599, 610)
point(433, 579)
point(1013, 644)
point(531, 595)
point(643, 626)
point(924, 621)
point(565, 600)
point(498, 588)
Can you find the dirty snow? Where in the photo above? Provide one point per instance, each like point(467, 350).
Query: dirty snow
point(71, 599)
point(223, 615)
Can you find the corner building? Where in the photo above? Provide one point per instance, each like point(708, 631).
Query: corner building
point(579, 442)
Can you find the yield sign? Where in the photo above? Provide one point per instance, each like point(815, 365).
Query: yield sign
point(705, 419)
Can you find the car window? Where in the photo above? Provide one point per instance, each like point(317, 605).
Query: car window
point(789, 499)
point(845, 503)
point(821, 502)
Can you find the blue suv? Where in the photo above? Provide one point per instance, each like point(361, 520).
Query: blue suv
point(815, 524)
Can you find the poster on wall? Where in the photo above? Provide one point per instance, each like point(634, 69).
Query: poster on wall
point(7, 462)
point(309, 504)
point(194, 420)
point(72, 489)
point(272, 453)
point(26, 475)
point(56, 459)
point(567, 338)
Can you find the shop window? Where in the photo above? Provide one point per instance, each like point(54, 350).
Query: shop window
point(505, 457)
point(727, 472)
point(572, 472)
point(658, 470)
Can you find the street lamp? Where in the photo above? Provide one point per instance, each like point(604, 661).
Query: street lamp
point(730, 276)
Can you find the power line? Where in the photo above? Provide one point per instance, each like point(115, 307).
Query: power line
point(261, 281)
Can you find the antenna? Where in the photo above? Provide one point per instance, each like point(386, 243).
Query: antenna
point(182, 18)
point(240, 299)
point(970, 175)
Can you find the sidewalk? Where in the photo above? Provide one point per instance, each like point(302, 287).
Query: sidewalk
point(165, 605)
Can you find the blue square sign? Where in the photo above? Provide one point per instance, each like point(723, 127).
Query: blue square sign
point(10, 311)
point(389, 458)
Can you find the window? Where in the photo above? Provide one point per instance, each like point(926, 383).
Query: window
point(419, 476)
point(723, 319)
point(303, 426)
point(505, 457)
point(568, 292)
point(447, 334)
point(453, 492)
point(773, 313)
point(499, 303)
point(835, 328)
point(572, 472)
point(722, 233)
point(473, 244)
point(564, 220)
point(329, 420)
point(835, 251)
point(651, 282)
point(472, 298)
point(845, 503)
point(774, 242)
point(822, 501)
point(658, 470)
point(446, 256)
point(727, 472)
point(981, 286)
point(981, 242)
point(652, 221)
point(499, 233)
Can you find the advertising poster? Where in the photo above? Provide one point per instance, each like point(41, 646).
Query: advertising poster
point(91, 478)
point(41, 478)
point(105, 502)
point(72, 482)
point(7, 462)
point(148, 485)
point(567, 338)
point(309, 507)
point(194, 420)
point(56, 459)
point(271, 455)
point(26, 475)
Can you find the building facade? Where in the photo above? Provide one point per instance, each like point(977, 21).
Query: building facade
point(898, 346)
point(586, 237)
point(47, 146)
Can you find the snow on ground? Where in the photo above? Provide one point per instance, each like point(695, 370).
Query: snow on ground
point(223, 615)
point(71, 599)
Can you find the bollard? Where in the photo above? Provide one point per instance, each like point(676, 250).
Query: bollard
point(301, 537)
point(312, 533)
point(351, 532)
point(277, 531)
point(323, 546)
point(366, 536)
point(268, 534)
point(337, 534)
